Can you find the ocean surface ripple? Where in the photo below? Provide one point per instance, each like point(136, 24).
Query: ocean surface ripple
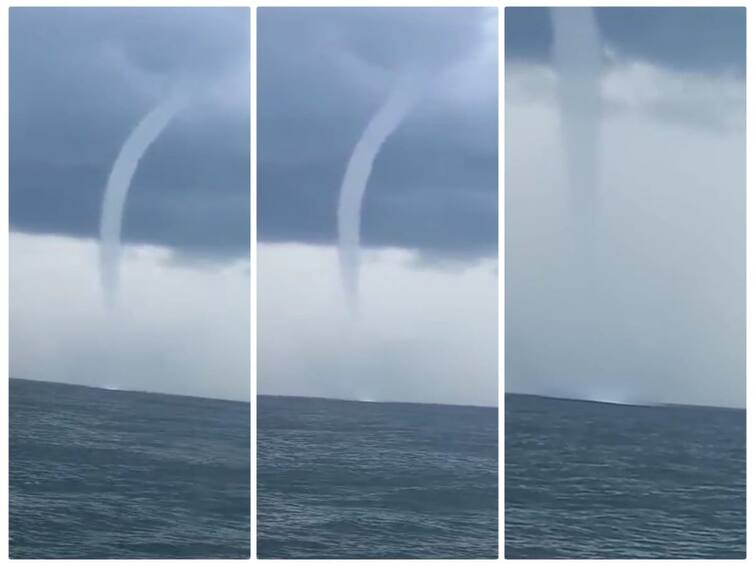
point(597, 480)
point(116, 474)
point(343, 479)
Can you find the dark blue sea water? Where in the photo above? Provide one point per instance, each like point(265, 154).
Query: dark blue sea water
point(596, 480)
point(115, 474)
point(344, 479)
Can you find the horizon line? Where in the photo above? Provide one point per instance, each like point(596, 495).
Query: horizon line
point(375, 402)
point(582, 400)
point(118, 390)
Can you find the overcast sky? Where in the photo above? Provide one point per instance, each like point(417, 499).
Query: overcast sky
point(80, 81)
point(660, 318)
point(428, 308)
point(659, 314)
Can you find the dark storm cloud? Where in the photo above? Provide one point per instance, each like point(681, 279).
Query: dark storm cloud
point(322, 73)
point(81, 79)
point(704, 39)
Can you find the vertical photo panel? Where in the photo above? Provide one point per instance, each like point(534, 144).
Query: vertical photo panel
point(129, 392)
point(377, 271)
point(625, 283)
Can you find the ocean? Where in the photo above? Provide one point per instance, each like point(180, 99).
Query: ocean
point(347, 479)
point(598, 480)
point(115, 474)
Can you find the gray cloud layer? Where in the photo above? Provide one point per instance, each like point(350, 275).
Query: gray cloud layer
point(80, 79)
point(709, 39)
point(321, 75)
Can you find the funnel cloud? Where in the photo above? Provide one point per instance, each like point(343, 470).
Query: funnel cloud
point(358, 170)
point(577, 58)
point(119, 182)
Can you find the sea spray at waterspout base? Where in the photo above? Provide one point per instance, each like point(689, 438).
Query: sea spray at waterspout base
point(118, 184)
point(383, 124)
